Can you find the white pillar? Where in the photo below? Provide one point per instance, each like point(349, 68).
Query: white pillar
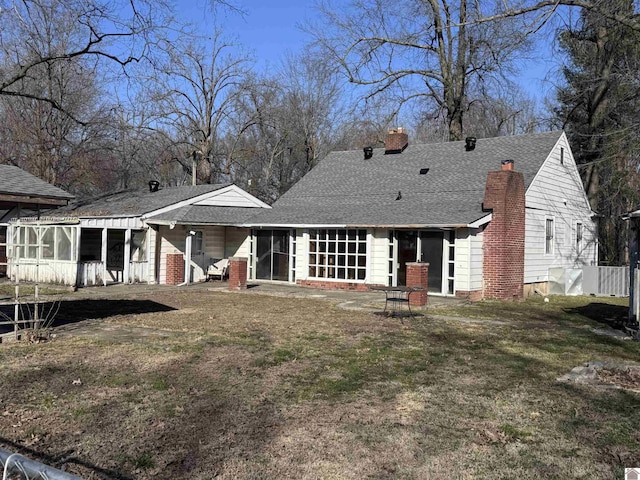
point(103, 256)
point(127, 256)
point(187, 258)
point(78, 232)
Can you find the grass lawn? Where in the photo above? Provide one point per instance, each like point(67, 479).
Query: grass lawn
point(250, 386)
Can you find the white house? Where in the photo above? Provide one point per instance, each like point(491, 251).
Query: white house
point(164, 236)
point(357, 218)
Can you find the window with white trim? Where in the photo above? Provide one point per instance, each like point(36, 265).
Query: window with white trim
point(197, 245)
point(549, 236)
point(578, 237)
point(338, 254)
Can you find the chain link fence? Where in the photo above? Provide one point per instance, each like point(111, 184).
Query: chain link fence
point(18, 467)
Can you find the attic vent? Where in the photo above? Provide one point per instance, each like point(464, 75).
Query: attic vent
point(368, 152)
point(154, 185)
point(469, 143)
point(424, 171)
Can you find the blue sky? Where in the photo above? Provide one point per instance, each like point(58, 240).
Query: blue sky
point(270, 28)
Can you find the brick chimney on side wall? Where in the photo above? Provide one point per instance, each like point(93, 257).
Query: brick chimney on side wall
point(396, 141)
point(503, 263)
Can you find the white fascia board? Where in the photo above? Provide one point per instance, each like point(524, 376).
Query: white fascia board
point(204, 196)
point(481, 221)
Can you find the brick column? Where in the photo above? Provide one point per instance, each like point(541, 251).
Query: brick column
point(175, 268)
point(237, 273)
point(503, 238)
point(418, 276)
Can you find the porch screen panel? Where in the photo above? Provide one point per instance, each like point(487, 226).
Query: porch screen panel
point(45, 242)
point(263, 255)
point(338, 254)
point(32, 242)
point(64, 243)
point(138, 246)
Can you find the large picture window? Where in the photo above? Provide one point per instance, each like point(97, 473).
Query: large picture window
point(338, 254)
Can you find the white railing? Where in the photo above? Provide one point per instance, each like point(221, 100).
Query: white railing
point(605, 281)
point(138, 272)
point(91, 273)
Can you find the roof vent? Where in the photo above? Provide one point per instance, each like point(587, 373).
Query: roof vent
point(396, 141)
point(368, 152)
point(424, 171)
point(469, 143)
point(154, 185)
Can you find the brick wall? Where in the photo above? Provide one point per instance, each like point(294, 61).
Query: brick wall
point(418, 276)
point(326, 285)
point(175, 268)
point(471, 295)
point(237, 273)
point(503, 265)
point(396, 141)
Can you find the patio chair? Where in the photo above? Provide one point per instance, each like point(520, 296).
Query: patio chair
point(218, 268)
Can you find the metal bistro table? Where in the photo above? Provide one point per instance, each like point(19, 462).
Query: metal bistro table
point(396, 297)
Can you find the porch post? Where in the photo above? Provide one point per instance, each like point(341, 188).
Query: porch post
point(78, 259)
point(633, 264)
point(187, 258)
point(103, 256)
point(418, 276)
point(127, 256)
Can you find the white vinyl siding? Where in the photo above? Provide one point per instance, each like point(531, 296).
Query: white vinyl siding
point(174, 240)
point(556, 193)
point(379, 257)
point(469, 259)
point(463, 257)
point(236, 242)
point(229, 198)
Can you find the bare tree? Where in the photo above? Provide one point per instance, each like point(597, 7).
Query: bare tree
point(431, 51)
point(195, 95)
point(445, 54)
point(283, 125)
point(117, 32)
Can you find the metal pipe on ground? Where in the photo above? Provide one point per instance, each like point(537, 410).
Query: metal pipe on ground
point(12, 463)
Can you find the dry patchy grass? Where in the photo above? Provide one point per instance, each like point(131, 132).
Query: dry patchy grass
point(250, 386)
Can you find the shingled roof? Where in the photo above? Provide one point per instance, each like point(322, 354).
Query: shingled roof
point(205, 215)
point(389, 190)
point(134, 203)
point(15, 181)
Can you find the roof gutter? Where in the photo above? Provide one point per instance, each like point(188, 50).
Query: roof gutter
point(359, 225)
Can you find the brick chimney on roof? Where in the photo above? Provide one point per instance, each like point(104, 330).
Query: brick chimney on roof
point(396, 141)
point(503, 238)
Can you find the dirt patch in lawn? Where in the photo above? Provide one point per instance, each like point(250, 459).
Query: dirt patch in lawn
point(249, 386)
